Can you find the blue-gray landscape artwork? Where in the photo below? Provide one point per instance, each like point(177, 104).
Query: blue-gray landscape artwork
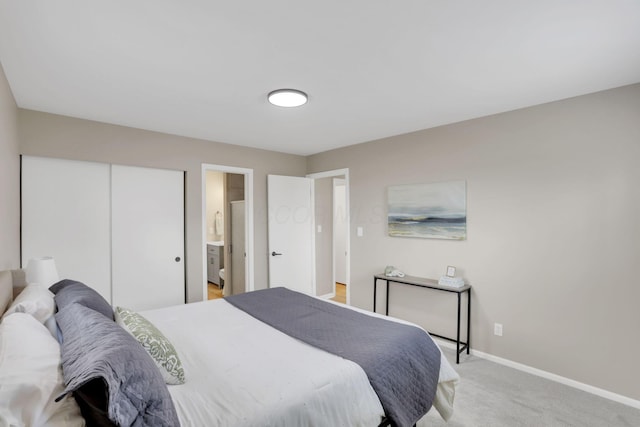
point(436, 211)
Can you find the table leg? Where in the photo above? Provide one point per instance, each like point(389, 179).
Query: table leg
point(387, 312)
point(458, 331)
point(468, 320)
point(375, 282)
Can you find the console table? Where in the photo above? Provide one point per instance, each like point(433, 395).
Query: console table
point(433, 284)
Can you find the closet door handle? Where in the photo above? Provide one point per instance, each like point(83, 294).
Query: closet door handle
point(274, 253)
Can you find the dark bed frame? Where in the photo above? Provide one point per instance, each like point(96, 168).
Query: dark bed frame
point(386, 422)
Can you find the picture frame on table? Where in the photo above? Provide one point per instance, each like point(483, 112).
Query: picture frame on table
point(451, 271)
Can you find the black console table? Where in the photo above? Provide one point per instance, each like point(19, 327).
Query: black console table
point(433, 284)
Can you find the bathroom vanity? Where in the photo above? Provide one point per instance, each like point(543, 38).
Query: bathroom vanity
point(215, 261)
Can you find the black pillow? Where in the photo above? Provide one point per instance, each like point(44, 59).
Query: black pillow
point(69, 291)
point(93, 400)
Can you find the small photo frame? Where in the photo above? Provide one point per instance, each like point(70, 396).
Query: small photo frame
point(451, 271)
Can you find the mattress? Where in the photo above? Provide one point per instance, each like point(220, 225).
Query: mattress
point(242, 372)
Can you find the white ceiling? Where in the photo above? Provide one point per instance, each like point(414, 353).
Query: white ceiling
point(372, 68)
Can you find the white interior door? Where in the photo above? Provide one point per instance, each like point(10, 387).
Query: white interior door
point(291, 219)
point(238, 250)
point(66, 214)
point(339, 231)
point(147, 237)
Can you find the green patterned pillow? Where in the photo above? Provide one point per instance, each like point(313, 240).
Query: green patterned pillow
point(157, 345)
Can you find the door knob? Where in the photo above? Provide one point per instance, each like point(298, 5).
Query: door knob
point(274, 253)
point(177, 259)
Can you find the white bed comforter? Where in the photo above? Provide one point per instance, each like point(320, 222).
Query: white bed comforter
point(242, 372)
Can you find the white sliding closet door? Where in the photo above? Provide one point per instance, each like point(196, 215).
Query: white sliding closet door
point(147, 237)
point(66, 214)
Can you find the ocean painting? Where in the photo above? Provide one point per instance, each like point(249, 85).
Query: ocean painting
point(433, 211)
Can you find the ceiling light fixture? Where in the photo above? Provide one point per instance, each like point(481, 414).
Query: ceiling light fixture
point(287, 98)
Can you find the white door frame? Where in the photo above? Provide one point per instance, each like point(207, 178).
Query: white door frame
point(248, 227)
point(341, 173)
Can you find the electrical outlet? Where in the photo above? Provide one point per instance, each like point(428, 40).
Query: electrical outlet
point(497, 329)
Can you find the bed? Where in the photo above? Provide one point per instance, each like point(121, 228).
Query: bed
point(238, 370)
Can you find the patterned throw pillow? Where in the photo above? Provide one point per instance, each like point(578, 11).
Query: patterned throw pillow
point(157, 345)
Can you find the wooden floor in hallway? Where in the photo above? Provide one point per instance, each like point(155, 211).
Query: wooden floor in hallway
point(341, 293)
point(213, 291)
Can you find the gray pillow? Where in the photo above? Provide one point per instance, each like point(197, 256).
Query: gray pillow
point(69, 291)
point(110, 373)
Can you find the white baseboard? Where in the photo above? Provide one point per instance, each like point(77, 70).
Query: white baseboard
point(327, 296)
point(548, 375)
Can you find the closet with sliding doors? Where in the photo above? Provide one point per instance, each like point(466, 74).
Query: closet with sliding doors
point(118, 229)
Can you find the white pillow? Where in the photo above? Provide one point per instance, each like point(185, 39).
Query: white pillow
point(35, 300)
point(31, 376)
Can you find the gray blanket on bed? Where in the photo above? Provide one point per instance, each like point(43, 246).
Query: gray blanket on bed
point(95, 347)
point(401, 361)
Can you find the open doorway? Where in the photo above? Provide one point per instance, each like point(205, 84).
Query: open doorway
point(340, 236)
point(227, 198)
point(332, 253)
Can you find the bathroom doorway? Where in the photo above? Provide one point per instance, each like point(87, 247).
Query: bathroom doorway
point(228, 264)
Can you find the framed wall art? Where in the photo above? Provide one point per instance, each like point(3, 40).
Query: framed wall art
point(433, 211)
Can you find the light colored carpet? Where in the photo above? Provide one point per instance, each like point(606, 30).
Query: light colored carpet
point(493, 395)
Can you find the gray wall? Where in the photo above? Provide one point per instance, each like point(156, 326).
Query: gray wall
point(9, 178)
point(49, 135)
point(553, 232)
point(235, 187)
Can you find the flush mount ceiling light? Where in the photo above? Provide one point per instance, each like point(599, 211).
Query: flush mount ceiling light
point(287, 98)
